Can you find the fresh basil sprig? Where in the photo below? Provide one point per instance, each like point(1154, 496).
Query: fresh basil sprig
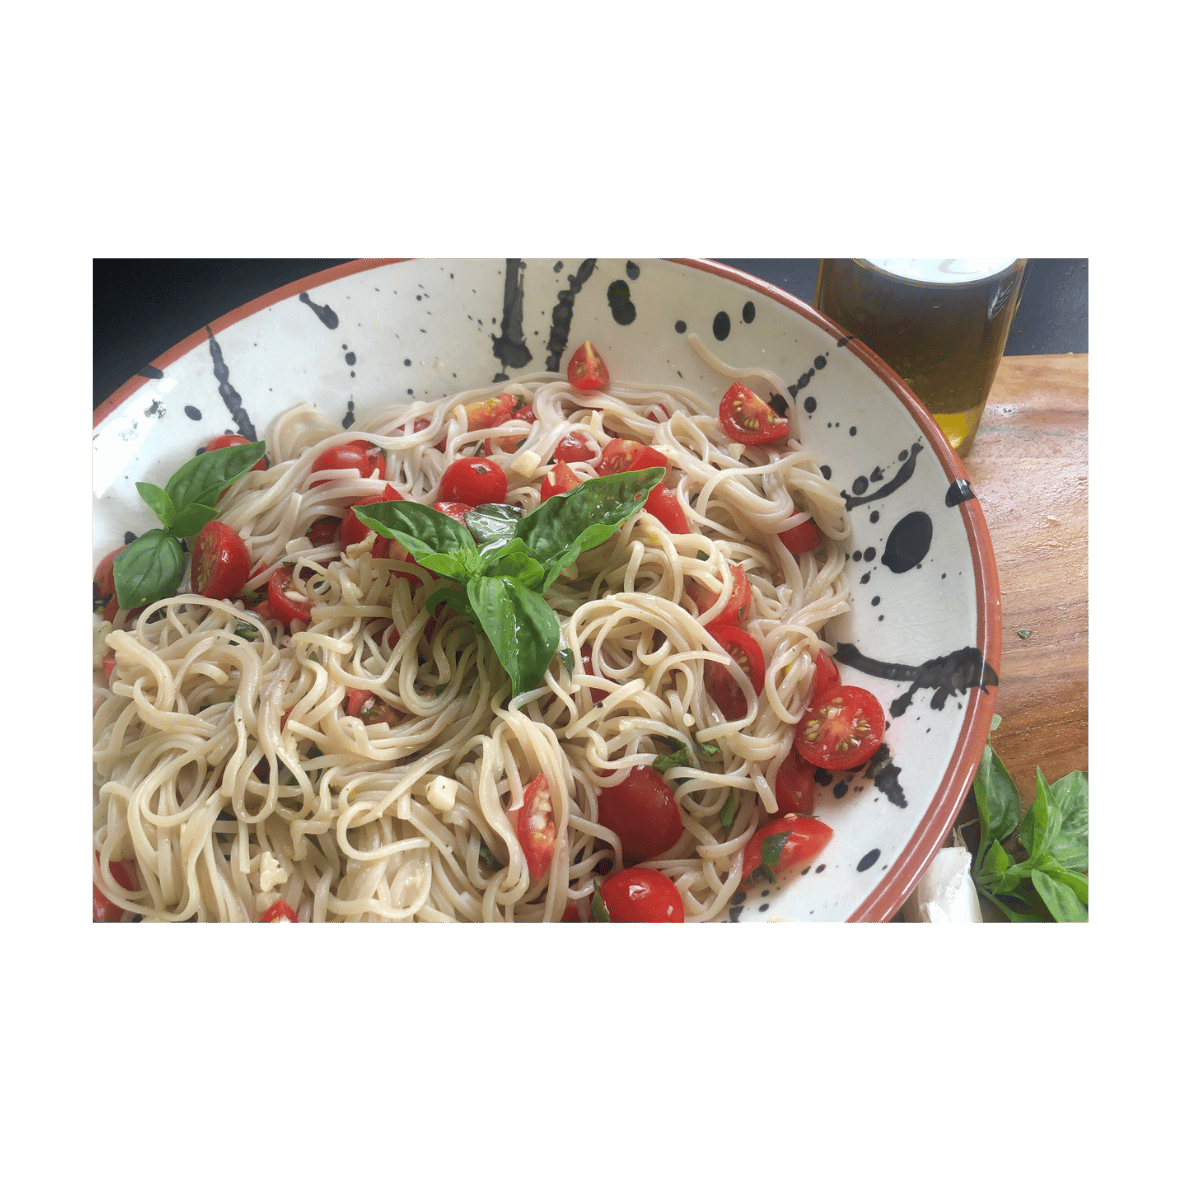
point(505, 561)
point(151, 566)
point(1044, 868)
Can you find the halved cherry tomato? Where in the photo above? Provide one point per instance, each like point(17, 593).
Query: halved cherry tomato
point(279, 912)
point(795, 784)
point(351, 530)
point(802, 538)
point(361, 703)
point(574, 447)
point(720, 682)
point(109, 662)
point(287, 605)
point(824, 677)
point(642, 895)
point(625, 455)
point(324, 531)
point(421, 424)
point(589, 669)
point(235, 441)
point(535, 827)
point(841, 728)
point(746, 418)
point(104, 585)
point(782, 843)
point(221, 562)
point(571, 914)
point(494, 411)
point(473, 481)
point(106, 911)
point(454, 509)
point(366, 458)
point(643, 812)
point(587, 370)
point(736, 612)
point(558, 478)
point(663, 504)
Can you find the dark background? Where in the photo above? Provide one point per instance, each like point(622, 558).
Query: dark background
point(142, 307)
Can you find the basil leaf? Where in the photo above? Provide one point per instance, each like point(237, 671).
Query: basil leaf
point(1039, 826)
point(572, 522)
point(491, 522)
point(458, 565)
point(1070, 796)
point(511, 559)
point(158, 501)
point(1061, 901)
point(521, 626)
point(201, 479)
point(453, 596)
point(997, 799)
point(422, 530)
point(190, 521)
point(599, 911)
point(148, 569)
point(708, 750)
point(679, 757)
point(769, 853)
point(566, 655)
point(1078, 882)
point(729, 810)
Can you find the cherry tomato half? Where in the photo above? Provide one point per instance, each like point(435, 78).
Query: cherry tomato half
point(106, 911)
point(795, 784)
point(841, 728)
point(287, 605)
point(494, 411)
point(473, 481)
point(574, 448)
point(324, 531)
point(782, 843)
point(535, 827)
point(663, 504)
point(824, 676)
point(351, 531)
point(235, 441)
point(558, 478)
point(104, 585)
point(279, 912)
point(366, 458)
point(736, 612)
point(221, 562)
point(625, 455)
point(720, 682)
point(746, 418)
point(803, 538)
point(587, 370)
point(643, 812)
point(453, 509)
point(642, 896)
point(361, 703)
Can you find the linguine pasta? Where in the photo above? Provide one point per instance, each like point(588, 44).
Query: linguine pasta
point(228, 770)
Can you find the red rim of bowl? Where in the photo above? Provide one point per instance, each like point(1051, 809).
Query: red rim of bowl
point(888, 896)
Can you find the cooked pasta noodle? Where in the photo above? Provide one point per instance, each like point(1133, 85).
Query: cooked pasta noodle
point(228, 770)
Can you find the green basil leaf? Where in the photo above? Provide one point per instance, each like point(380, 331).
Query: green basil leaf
point(1060, 899)
point(453, 596)
point(572, 522)
point(997, 799)
point(566, 655)
point(158, 501)
point(521, 626)
point(1078, 882)
point(679, 757)
point(1039, 825)
point(148, 569)
point(729, 810)
point(512, 559)
point(492, 522)
point(421, 529)
point(708, 750)
point(770, 851)
point(190, 521)
point(1008, 910)
point(1070, 796)
point(456, 565)
point(599, 911)
point(204, 476)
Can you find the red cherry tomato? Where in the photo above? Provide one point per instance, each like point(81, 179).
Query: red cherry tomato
point(663, 504)
point(746, 418)
point(795, 785)
point(625, 455)
point(453, 509)
point(106, 911)
point(720, 682)
point(473, 481)
point(104, 575)
point(535, 827)
point(287, 605)
point(279, 912)
point(324, 531)
point(802, 538)
point(571, 914)
point(643, 812)
point(221, 562)
point(558, 478)
point(782, 843)
point(235, 441)
point(824, 677)
point(361, 703)
point(642, 896)
point(366, 458)
point(842, 728)
point(109, 662)
point(351, 530)
point(574, 448)
point(736, 612)
point(587, 370)
point(490, 412)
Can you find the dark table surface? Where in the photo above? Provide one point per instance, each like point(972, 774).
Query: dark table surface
point(144, 306)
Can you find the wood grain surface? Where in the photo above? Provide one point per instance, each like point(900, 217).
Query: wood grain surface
point(1028, 467)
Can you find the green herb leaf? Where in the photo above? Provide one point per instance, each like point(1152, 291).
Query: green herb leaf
point(158, 501)
point(1060, 899)
point(679, 757)
point(493, 522)
point(204, 476)
point(566, 655)
point(1024, 633)
point(424, 531)
point(769, 853)
point(1070, 797)
point(521, 625)
point(1039, 825)
point(708, 750)
point(148, 569)
point(246, 631)
point(997, 799)
point(512, 559)
point(729, 810)
point(191, 520)
point(598, 910)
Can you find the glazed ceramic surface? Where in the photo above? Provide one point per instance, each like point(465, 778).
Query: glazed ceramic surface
point(924, 630)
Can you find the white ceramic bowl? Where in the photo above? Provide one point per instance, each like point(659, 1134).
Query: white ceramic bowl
point(924, 630)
